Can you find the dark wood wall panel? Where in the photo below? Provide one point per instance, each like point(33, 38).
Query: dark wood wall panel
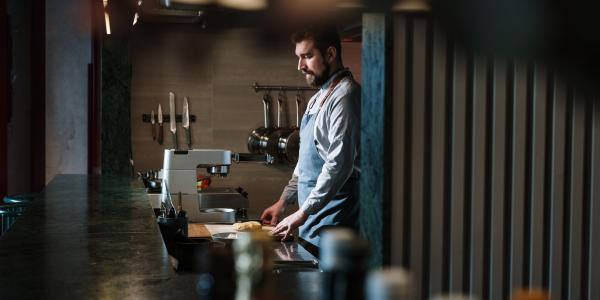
point(496, 174)
point(4, 96)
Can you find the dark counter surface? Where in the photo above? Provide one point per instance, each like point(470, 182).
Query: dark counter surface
point(96, 237)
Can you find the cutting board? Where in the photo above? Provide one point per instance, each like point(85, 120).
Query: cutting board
point(207, 230)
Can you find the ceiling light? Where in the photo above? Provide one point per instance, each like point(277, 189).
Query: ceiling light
point(411, 6)
point(349, 4)
point(107, 23)
point(135, 18)
point(244, 4)
point(192, 2)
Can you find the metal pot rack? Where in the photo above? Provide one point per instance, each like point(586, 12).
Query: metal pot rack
point(258, 88)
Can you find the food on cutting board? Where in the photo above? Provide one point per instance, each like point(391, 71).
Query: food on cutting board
point(247, 226)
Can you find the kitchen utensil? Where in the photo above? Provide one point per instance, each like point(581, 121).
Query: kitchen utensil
point(259, 136)
point(160, 125)
point(185, 120)
point(173, 119)
point(289, 145)
point(229, 236)
point(153, 125)
point(280, 131)
point(226, 237)
point(218, 215)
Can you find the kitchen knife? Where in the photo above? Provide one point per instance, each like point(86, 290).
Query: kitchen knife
point(160, 125)
point(173, 119)
point(185, 119)
point(153, 125)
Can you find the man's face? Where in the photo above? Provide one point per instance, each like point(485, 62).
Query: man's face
point(312, 63)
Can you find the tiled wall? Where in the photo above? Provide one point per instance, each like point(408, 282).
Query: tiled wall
point(215, 70)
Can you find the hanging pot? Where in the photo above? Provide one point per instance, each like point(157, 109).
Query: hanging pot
point(289, 145)
point(273, 142)
point(259, 136)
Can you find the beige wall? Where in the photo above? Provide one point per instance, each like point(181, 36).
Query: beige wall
point(215, 70)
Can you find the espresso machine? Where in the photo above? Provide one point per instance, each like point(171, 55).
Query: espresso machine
point(179, 185)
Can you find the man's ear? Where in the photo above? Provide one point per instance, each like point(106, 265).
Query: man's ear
point(331, 54)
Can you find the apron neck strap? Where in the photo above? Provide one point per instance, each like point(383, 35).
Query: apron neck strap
point(334, 83)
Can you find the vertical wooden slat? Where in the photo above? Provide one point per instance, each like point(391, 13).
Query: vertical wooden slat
point(587, 200)
point(418, 159)
point(518, 177)
point(488, 197)
point(478, 180)
point(427, 142)
point(449, 137)
point(455, 145)
point(557, 234)
point(594, 212)
point(439, 214)
point(567, 197)
point(549, 196)
point(576, 198)
point(408, 136)
point(469, 171)
point(509, 173)
point(498, 169)
point(530, 73)
point(398, 161)
point(537, 173)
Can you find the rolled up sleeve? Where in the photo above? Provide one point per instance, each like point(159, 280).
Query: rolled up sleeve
point(290, 192)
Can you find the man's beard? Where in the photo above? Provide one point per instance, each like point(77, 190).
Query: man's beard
point(315, 80)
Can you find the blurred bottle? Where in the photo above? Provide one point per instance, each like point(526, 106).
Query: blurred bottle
point(455, 296)
point(531, 294)
point(217, 280)
point(389, 284)
point(344, 264)
point(253, 266)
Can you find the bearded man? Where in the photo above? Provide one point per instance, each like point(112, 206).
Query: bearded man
point(325, 180)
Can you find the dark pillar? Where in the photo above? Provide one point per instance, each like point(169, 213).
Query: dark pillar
point(375, 135)
point(116, 91)
point(4, 96)
point(38, 95)
point(94, 83)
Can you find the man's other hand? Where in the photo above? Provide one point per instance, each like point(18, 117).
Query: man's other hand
point(273, 213)
point(289, 224)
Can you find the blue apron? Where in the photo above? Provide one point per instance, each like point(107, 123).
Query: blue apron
point(342, 210)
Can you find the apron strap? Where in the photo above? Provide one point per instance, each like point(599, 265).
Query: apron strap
point(335, 82)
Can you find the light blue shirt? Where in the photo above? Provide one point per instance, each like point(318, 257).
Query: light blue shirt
point(337, 139)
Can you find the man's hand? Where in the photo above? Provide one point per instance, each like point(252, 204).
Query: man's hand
point(289, 224)
point(272, 214)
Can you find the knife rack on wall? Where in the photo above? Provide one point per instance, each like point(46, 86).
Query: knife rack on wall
point(167, 118)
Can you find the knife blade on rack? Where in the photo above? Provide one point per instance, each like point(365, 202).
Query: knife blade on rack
point(153, 125)
point(160, 125)
point(185, 120)
point(173, 119)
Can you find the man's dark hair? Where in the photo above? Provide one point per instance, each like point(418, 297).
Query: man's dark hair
point(324, 36)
